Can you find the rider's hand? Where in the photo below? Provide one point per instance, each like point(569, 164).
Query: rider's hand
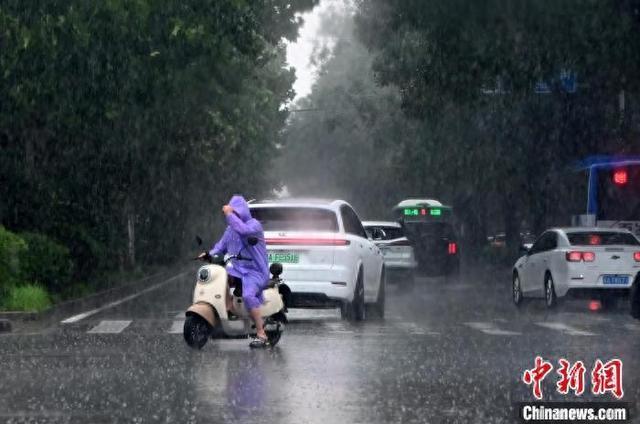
point(226, 209)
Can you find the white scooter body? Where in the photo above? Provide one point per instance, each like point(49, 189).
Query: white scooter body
point(209, 301)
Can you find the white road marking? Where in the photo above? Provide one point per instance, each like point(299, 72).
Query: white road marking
point(632, 327)
point(79, 317)
point(560, 326)
point(415, 329)
point(491, 329)
point(111, 327)
point(176, 327)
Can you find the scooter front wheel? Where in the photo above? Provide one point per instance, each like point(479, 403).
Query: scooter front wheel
point(196, 331)
point(274, 327)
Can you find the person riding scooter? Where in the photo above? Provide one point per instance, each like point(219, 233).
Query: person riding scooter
point(253, 270)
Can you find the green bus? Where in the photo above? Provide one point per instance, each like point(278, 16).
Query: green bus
point(428, 224)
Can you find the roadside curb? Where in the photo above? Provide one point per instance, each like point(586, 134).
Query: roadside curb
point(91, 301)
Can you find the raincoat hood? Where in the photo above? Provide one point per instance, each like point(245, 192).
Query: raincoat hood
point(240, 206)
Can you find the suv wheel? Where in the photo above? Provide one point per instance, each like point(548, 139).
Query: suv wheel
point(355, 310)
point(376, 310)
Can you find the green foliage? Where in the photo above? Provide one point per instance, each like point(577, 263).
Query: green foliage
point(74, 290)
point(28, 298)
point(487, 141)
point(46, 262)
point(12, 247)
point(132, 121)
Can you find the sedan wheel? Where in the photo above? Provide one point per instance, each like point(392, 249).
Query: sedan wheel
point(516, 290)
point(550, 297)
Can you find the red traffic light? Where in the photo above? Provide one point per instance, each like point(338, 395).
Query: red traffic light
point(620, 177)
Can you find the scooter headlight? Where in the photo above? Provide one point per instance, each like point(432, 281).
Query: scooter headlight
point(203, 275)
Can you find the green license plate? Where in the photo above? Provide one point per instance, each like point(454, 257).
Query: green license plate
point(284, 257)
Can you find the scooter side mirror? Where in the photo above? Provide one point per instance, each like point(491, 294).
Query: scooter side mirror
point(199, 240)
point(275, 269)
point(252, 241)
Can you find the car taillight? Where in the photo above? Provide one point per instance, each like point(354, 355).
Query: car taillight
point(453, 248)
point(308, 241)
point(636, 256)
point(575, 256)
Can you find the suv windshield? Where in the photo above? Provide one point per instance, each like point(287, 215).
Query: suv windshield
point(296, 219)
point(601, 239)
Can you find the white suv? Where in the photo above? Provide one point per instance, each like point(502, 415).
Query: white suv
point(327, 258)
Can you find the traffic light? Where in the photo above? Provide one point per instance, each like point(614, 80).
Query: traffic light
point(620, 177)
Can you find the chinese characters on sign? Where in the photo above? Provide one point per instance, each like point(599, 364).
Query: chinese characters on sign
point(605, 377)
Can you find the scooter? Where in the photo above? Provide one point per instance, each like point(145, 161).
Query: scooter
point(207, 317)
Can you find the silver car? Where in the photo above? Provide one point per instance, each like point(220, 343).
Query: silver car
point(397, 250)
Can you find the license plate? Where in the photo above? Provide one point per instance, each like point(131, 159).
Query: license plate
point(615, 279)
point(284, 257)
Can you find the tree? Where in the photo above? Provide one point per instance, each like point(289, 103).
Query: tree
point(124, 123)
point(343, 141)
point(468, 71)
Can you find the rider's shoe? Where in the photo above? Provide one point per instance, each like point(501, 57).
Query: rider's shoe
point(258, 342)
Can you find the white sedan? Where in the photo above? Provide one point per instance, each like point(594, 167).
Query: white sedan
point(396, 249)
point(327, 258)
point(598, 263)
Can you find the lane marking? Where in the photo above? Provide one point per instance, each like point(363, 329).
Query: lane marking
point(491, 329)
point(176, 327)
point(79, 317)
point(112, 327)
point(632, 327)
point(564, 328)
point(414, 329)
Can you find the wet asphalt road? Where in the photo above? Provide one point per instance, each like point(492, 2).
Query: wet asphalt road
point(445, 353)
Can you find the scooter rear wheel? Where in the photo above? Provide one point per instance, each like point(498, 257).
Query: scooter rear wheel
point(196, 331)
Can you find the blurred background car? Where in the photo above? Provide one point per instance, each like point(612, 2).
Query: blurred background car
point(399, 258)
point(429, 225)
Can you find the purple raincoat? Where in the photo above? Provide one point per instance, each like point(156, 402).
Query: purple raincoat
point(254, 273)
